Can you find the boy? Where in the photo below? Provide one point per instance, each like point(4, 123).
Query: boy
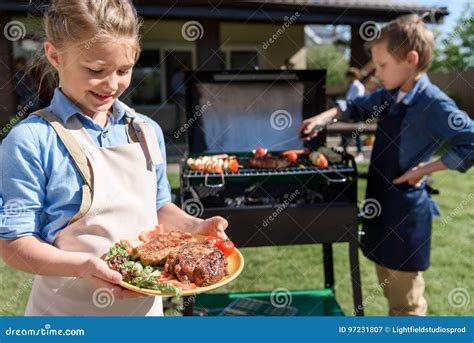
point(414, 119)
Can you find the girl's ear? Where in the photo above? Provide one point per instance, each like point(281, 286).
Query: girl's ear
point(413, 58)
point(52, 54)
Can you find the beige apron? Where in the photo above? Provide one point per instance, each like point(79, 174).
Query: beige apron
point(118, 202)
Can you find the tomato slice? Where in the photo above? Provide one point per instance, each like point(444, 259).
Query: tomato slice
point(145, 236)
point(183, 286)
point(129, 245)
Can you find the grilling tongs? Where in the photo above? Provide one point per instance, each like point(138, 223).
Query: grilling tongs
point(319, 128)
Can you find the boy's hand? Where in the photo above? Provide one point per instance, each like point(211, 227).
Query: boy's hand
point(99, 275)
point(307, 126)
point(413, 177)
point(214, 226)
point(306, 129)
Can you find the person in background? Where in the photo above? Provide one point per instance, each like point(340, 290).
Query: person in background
point(25, 88)
point(355, 89)
point(179, 93)
point(371, 84)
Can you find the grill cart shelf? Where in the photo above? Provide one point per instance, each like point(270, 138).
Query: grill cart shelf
point(325, 208)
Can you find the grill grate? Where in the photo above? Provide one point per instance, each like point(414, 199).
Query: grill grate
point(271, 172)
point(335, 173)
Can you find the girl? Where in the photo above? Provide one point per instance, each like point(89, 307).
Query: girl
point(86, 171)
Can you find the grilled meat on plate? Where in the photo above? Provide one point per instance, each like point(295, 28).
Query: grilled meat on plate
point(156, 250)
point(197, 262)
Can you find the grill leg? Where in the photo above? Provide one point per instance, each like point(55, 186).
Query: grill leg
point(188, 305)
point(355, 278)
point(328, 266)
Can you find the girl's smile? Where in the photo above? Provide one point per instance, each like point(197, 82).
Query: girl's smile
point(103, 98)
point(94, 77)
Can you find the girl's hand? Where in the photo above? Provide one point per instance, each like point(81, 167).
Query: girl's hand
point(214, 226)
point(413, 177)
point(98, 274)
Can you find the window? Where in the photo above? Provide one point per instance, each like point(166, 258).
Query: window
point(145, 88)
point(244, 60)
point(177, 63)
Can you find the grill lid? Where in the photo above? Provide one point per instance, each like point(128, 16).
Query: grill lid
point(239, 111)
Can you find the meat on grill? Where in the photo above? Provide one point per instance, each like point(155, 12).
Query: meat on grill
point(268, 162)
point(155, 251)
point(198, 262)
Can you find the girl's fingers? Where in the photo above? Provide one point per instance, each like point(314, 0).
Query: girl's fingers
point(214, 226)
point(102, 271)
point(221, 235)
point(221, 223)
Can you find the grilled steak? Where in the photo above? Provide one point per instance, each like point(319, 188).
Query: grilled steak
point(197, 262)
point(155, 251)
point(268, 162)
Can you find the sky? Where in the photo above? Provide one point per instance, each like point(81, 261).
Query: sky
point(455, 8)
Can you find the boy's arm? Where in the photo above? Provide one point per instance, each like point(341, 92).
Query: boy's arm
point(454, 127)
point(415, 175)
point(446, 123)
point(358, 109)
point(364, 107)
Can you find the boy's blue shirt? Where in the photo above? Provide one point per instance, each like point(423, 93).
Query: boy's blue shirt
point(431, 119)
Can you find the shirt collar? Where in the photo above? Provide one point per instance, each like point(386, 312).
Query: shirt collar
point(420, 85)
point(64, 108)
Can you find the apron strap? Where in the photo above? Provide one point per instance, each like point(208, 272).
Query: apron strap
point(131, 134)
point(78, 157)
point(138, 131)
point(74, 149)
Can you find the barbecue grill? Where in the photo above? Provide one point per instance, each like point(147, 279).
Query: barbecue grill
point(314, 205)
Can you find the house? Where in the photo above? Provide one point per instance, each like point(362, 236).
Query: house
point(205, 35)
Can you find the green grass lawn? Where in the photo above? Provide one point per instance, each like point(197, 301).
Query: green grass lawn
point(268, 269)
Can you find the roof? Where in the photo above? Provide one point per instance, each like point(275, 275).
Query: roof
point(310, 11)
point(363, 4)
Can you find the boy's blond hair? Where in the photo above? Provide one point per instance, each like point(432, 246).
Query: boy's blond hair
point(408, 33)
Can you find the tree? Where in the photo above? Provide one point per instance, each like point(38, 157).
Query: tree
point(327, 56)
point(454, 52)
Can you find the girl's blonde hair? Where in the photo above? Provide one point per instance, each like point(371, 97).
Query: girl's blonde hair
point(85, 22)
